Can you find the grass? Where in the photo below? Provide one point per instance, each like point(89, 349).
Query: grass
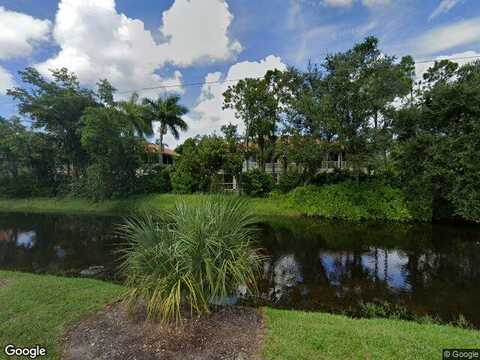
point(301, 335)
point(260, 206)
point(36, 309)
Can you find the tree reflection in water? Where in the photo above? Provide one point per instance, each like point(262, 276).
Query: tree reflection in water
point(314, 265)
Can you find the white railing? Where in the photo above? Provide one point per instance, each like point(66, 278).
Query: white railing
point(278, 167)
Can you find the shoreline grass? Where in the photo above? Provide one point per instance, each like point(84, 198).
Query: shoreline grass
point(39, 308)
point(295, 335)
point(260, 206)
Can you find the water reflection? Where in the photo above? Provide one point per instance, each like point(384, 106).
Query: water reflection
point(431, 269)
point(55, 244)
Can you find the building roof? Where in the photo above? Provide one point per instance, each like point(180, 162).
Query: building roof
point(155, 148)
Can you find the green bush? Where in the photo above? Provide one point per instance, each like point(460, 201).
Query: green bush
point(334, 177)
point(183, 182)
point(256, 183)
point(92, 185)
point(290, 180)
point(22, 186)
point(190, 257)
point(371, 200)
point(156, 179)
point(385, 310)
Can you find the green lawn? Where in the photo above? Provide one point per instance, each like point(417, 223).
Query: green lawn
point(123, 206)
point(299, 335)
point(35, 309)
point(38, 308)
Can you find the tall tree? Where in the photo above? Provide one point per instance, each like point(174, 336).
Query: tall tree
point(168, 113)
point(439, 141)
point(56, 106)
point(135, 112)
point(256, 102)
point(361, 85)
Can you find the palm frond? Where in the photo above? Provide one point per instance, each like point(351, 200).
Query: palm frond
point(190, 256)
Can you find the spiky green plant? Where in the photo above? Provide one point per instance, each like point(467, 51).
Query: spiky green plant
point(189, 257)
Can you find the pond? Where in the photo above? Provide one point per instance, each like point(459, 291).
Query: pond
point(314, 265)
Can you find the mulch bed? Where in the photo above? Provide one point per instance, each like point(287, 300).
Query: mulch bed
point(233, 333)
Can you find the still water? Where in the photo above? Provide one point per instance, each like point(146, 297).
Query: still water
point(314, 265)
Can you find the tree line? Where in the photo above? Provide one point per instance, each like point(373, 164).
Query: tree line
point(420, 136)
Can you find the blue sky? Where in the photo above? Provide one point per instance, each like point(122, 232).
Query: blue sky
point(149, 43)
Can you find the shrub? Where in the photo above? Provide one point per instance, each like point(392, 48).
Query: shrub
point(334, 177)
point(256, 183)
point(183, 182)
point(23, 185)
point(92, 185)
point(384, 310)
point(156, 179)
point(290, 180)
point(189, 257)
point(371, 200)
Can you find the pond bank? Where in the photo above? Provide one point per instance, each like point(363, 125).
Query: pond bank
point(293, 205)
point(39, 309)
point(264, 207)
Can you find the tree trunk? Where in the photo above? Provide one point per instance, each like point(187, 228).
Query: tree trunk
point(261, 150)
point(160, 156)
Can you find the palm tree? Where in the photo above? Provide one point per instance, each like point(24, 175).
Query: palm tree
point(135, 112)
point(167, 111)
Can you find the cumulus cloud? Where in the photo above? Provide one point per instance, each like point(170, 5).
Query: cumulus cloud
point(450, 36)
point(6, 81)
point(460, 58)
point(19, 33)
point(98, 42)
point(208, 116)
point(198, 31)
point(444, 7)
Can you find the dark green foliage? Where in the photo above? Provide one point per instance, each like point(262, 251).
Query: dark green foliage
point(108, 137)
point(351, 201)
point(290, 180)
point(156, 179)
point(439, 143)
point(203, 159)
point(256, 102)
point(335, 176)
point(27, 161)
point(256, 183)
point(168, 113)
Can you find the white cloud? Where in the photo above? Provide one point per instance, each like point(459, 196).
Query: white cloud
point(443, 7)
point(98, 42)
point(197, 30)
point(338, 3)
point(19, 33)
point(460, 58)
point(348, 3)
point(6, 81)
point(450, 36)
point(373, 3)
point(208, 116)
